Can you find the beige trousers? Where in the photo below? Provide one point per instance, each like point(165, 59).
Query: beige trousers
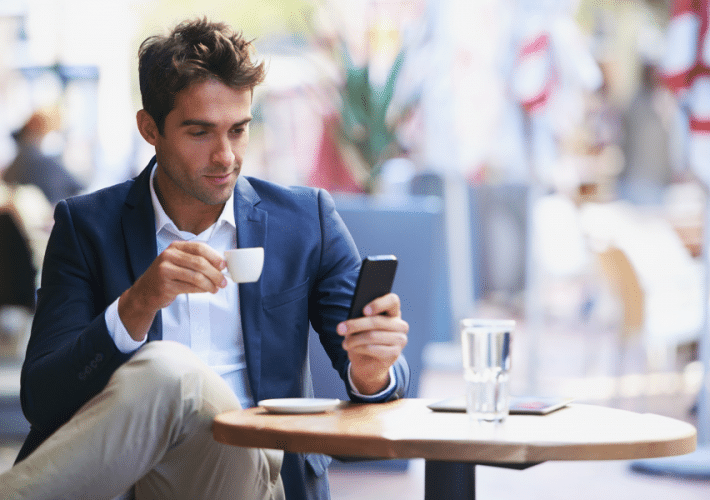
point(151, 426)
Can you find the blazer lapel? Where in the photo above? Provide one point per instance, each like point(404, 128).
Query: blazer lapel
point(251, 232)
point(138, 226)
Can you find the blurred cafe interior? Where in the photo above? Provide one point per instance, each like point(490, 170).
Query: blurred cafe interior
point(540, 160)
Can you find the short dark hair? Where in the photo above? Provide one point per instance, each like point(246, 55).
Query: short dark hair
point(193, 52)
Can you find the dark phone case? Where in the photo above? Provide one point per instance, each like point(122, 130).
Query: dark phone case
point(375, 280)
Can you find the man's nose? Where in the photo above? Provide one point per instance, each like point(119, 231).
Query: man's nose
point(223, 153)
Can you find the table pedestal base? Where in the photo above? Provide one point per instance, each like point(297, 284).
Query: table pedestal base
point(455, 480)
point(450, 480)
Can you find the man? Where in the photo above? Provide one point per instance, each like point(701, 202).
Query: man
point(32, 166)
point(111, 405)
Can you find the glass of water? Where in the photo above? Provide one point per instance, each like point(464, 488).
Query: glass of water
point(486, 362)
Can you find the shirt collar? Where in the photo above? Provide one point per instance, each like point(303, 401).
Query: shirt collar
point(163, 221)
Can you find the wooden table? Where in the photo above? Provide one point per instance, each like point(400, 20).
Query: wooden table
point(451, 443)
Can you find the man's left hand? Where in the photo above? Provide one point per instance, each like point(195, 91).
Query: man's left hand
point(374, 342)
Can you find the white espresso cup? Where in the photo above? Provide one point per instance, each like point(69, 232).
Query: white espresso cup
point(245, 264)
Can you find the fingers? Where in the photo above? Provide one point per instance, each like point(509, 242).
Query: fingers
point(183, 267)
point(181, 278)
point(381, 333)
point(378, 315)
point(197, 252)
point(374, 323)
point(195, 265)
point(387, 304)
point(385, 348)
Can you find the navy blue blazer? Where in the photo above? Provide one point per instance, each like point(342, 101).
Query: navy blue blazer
point(103, 241)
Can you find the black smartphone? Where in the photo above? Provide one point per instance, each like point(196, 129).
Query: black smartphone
point(375, 280)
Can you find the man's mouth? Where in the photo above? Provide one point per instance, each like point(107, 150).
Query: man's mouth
point(219, 179)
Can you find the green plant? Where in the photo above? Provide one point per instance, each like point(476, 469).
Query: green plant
point(364, 119)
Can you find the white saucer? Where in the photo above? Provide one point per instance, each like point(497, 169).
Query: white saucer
point(299, 405)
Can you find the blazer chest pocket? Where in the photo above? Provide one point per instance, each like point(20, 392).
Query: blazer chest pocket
point(286, 297)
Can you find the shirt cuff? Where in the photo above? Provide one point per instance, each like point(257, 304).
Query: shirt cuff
point(124, 342)
point(373, 397)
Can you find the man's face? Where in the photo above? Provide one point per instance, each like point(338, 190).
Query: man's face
point(202, 147)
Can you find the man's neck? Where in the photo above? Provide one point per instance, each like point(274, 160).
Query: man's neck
point(192, 221)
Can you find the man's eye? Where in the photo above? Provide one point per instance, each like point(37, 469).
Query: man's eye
point(197, 133)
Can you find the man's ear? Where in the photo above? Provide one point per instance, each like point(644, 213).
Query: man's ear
point(147, 127)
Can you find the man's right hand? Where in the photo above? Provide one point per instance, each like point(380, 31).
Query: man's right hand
point(183, 267)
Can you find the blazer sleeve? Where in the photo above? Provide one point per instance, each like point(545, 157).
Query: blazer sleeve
point(70, 354)
point(333, 291)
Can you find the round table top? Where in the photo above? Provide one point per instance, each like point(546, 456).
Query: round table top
point(408, 429)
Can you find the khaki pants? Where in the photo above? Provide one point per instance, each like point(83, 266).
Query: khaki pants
point(150, 427)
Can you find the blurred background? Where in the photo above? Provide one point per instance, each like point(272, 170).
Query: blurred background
point(542, 160)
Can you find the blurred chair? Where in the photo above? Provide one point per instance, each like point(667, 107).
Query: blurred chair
point(655, 318)
point(623, 283)
point(657, 283)
point(622, 278)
